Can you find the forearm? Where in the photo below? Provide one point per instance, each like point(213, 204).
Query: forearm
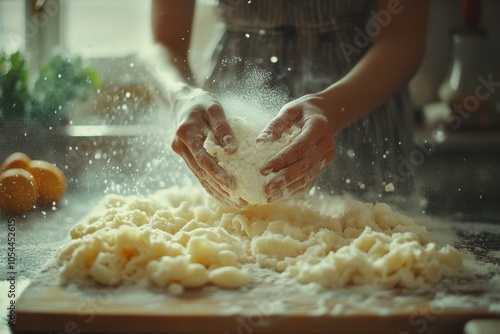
point(168, 62)
point(170, 73)
point(383, 71)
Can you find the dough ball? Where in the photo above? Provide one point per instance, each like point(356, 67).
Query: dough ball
point(245, 163)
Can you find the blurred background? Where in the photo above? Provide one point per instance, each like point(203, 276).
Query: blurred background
point(113, 131)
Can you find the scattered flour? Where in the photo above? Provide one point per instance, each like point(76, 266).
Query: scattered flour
point(182, 237)
point(245, 164)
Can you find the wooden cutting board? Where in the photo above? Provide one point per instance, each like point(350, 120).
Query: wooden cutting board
point(277, 305)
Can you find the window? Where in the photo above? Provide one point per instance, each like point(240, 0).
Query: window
point(106, 28)
point(11, 26)
point(88, 28)
point(106, 34)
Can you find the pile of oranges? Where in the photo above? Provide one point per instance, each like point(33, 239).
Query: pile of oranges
point(25, 183)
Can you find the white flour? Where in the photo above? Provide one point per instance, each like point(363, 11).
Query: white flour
point(244, 165)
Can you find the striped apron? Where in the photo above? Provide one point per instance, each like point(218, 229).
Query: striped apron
point(298, 47)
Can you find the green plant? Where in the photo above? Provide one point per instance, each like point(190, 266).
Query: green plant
point(14, 93)
point(60, 81)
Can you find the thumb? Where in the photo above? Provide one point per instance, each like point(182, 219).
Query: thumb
point(221, 129)
point(279, 124)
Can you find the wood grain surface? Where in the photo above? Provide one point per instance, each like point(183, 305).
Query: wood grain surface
point(274, 305)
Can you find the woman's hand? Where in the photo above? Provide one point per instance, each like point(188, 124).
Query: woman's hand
point(298, 165)
point(200, 112)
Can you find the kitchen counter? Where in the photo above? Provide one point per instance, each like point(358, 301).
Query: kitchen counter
point(458, 182)
point(40, 233)
point(458, 176)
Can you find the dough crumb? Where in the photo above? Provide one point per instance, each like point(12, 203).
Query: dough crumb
point(389, 187)
point(245, 163)
point(175, 289)
point(229, 277)
point(183, 238)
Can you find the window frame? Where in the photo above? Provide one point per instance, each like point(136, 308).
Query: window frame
point(43, 22)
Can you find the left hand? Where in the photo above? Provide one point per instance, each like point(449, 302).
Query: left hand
point(298, 165)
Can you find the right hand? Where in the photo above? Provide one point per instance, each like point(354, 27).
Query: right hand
point(200, 112)
point(299, 164)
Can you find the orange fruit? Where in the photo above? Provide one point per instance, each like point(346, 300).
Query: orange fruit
point(17, 191)
point(15, 160)
point(50, 181)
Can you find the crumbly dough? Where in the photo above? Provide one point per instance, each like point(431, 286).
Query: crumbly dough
point(389, 187)
point(184, 237)
point(245, 163)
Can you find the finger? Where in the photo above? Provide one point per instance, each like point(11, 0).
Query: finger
point(287, 190)
point(297, 188)
point(223, 133)
point(221, 195)
point(239, 204)
point(299, 172)
point(293, 189)
point(205, 162)
point(279, 124)
point(223, 198)
point(212, 187)
point(194, 164)
point(312, 132)
point(215, 172)
point(300, 192)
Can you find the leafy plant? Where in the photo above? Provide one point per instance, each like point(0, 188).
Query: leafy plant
point(14, 93)
point(60, 81)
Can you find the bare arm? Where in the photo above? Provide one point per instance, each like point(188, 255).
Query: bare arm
point(171, 24)
point(390, 63)
point(385, 68)
point(196, 111)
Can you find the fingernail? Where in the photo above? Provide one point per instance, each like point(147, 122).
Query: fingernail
point(229, 144)
point(228, 140)
point(274, 197)
point(264, 137)
point(230, 183)
point(266, 171)
point(227, 185)
point(242, 204)
point(225, 180)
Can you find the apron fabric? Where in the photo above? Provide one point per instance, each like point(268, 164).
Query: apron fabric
point(301, 46)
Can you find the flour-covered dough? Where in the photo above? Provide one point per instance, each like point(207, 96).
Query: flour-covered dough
point(245, 163)
point(184, 237)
